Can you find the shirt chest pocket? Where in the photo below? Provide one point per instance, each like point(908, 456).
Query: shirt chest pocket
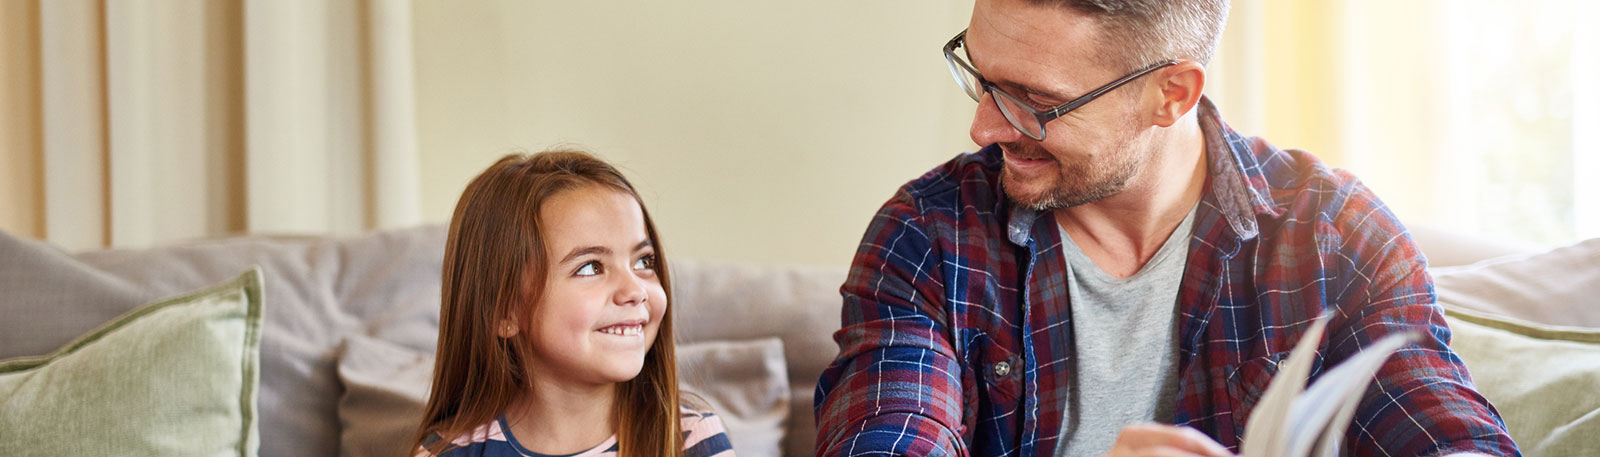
point(1249, 380)
point(998, 372)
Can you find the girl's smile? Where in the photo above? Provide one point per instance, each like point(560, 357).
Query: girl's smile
point(633, 328)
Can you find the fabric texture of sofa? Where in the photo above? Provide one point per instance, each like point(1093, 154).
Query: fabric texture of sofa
point(349, 326)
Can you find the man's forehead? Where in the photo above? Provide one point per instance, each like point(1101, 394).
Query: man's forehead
point(1041, 47)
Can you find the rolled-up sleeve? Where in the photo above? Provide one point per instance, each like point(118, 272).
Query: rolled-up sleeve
point(1422, 401)
point(896, 386)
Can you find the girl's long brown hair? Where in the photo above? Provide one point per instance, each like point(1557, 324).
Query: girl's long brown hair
point(495, 239)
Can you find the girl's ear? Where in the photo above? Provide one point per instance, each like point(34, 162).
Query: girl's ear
point(506, 328)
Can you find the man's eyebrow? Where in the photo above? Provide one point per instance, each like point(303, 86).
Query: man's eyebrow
point(1023, 91)
point(1015, 86)
point(583, 251)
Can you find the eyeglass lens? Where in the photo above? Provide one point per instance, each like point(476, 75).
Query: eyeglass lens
point(1015, 112)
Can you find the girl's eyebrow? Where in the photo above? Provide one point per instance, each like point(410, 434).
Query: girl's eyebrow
point(599, 250)
point(583, 251)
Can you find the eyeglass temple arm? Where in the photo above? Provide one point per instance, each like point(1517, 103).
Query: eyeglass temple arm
point(1089, 97)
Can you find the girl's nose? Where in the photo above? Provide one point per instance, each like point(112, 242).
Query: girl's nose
point(631, 291)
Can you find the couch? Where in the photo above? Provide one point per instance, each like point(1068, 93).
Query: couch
point(348, 325)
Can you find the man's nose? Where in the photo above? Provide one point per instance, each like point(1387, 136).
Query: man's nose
point(989, 125)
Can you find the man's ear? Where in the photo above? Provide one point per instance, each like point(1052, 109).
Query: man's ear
point(1179, 87)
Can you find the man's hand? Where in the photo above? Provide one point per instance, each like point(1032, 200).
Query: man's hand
point(1161, 440)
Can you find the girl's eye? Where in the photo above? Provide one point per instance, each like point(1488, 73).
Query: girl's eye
point(590, 268)
point(647, 262)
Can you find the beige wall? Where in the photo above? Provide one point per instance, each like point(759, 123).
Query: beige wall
point(757, 131)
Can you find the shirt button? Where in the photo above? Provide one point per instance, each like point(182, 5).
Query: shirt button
point(1002, 369)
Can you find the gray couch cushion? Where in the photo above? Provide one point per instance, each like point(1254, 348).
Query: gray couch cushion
point(747, 384)
point(800, 305)
point(1555, 287)
point(50, 298)
point(385, 386)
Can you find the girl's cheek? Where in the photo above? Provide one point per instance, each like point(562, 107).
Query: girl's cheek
point(658, 299)
point(659, 295)
point(576, 318)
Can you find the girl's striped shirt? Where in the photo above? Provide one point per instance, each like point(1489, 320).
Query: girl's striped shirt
point(704, 436)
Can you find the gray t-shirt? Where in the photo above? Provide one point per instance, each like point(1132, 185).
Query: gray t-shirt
point(1125, 339)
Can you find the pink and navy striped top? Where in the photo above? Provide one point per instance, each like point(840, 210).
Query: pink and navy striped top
point(704, 436)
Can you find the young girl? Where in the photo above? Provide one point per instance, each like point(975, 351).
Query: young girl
point(555, 337)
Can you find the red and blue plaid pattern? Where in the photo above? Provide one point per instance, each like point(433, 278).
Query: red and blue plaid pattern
point(956, 323)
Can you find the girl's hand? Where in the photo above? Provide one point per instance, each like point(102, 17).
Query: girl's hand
point(1161, 440)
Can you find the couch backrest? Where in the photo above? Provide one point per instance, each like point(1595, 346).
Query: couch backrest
point(800, 305)
point(317, 291)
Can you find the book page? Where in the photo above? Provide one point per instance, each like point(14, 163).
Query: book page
point(1325, 409)
point(1266, 434)
point(1293, 421)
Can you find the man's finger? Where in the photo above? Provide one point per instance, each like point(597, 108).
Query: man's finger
point(1165, 451)
point(1149, 436)
point(1200, 443)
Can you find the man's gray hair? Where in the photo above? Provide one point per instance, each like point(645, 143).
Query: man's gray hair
point(1143, 32)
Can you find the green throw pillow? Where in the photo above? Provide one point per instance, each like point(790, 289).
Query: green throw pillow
point(1544, 380)
point(173, 378)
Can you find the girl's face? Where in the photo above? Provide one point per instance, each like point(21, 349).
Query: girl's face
point(602, 302)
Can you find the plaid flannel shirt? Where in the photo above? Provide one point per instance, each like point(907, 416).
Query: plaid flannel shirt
point(956, 321)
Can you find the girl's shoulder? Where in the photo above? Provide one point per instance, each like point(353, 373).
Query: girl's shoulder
point(493, 440)
point(704, 434)
point(485, 440)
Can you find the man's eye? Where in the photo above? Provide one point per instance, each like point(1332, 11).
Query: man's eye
point(645, 263)
point(589, 269)
point(1041, 103)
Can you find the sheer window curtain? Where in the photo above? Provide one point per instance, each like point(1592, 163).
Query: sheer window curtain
point(1476, 116)
point(130, 123)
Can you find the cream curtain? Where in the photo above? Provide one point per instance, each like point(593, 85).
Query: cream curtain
point(128, 123)
point(1360, 83)
point(1475, 115)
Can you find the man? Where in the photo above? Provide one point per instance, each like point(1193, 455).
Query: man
point(1117, 257)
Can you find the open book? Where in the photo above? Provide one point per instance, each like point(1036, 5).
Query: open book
point(1295, 421)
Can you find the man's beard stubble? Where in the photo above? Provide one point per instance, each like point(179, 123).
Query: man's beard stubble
point(1075, 184)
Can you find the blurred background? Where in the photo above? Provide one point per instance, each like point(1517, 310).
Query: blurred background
point(764, 132)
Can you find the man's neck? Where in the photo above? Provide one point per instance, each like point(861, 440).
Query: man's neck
point(1121, 233)
point(555, 418)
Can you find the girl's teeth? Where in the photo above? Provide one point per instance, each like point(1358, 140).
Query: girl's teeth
point(622, 331)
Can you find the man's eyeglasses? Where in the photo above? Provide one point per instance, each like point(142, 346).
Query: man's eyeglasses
point(1025, 118)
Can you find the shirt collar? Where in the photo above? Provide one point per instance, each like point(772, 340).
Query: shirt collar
point(1235, 182)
